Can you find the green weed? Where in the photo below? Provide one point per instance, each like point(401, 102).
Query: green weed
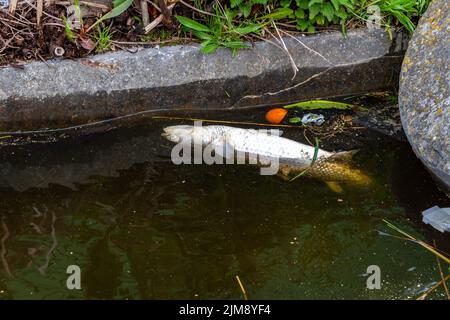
point(103, 39)
point(220, 31)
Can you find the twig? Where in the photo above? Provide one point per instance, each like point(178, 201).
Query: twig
point(200, 11)
point(55, 24)
point(268, 41)
point(154, 5)
point(227, 122)
point(85, 3)
point(12, 6)
point(304, 45)
point(154, 24)
point(283, 47)
point(441, 273)
point(306, 137)
point(45, 13)
point(39, 10)
point(419, 242)
point(157, 21)
point(293, 64)
point(166, 13)
point(144, 9)
point(241, 286)
point(422, 297)
point(6, 43)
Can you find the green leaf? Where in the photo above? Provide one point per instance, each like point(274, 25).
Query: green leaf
point(235, 45)
point(78, 15)
point(328, 11)
point(235, 3)
point(320, 19)
point(209, 47)
point(311, 29)
point(319, 104)
point(246, 9)
point(405, 21)
point(203, 35)
point(302, 25)
point(336, 4)
point(341, 13)
point(248, 29)
point(300, 14)
point(346, 3)
point(295, 120)
point(314, 10)
point(285, 3)
point(312, 2)
point(122, 6)
point(117, 3)
point(302, 4)
point(69, 33)
point(191, 24)
point(281, 13)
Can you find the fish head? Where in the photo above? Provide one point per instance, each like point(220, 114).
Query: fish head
point(182, 133)
point(177, 133)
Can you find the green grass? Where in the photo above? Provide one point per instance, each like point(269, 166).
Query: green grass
point(220, 30)
point(231, 23)
point(103, 38)
point(70, 35)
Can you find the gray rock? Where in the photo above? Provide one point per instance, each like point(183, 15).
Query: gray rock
point(181, 77)
point(424, 91)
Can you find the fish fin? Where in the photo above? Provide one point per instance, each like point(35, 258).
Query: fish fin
point(334, 186)
point(344, 156)
point(284, 172)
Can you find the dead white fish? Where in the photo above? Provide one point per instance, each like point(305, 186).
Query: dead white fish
point(294, 157)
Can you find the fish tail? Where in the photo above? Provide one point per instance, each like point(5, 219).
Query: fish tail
point(338, 172)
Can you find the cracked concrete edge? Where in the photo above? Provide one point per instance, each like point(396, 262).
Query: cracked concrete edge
point(181, 77)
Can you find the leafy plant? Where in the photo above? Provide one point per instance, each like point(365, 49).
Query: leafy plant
point(311, 13)
point(221, 31)
point(78, 15)
point(70, 35)
point(119, 6)
point(402, 10)
point(103, 39)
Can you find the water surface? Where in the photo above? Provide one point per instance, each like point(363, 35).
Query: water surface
point(140, 227)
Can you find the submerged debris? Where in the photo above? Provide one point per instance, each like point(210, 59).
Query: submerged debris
point(438, 218)
point(317, 119)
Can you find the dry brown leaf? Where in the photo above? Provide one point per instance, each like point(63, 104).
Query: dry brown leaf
point(87, 43)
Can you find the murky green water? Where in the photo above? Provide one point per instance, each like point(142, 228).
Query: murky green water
point(140, 227)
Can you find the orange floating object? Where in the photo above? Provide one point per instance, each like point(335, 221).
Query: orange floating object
point(276, 115)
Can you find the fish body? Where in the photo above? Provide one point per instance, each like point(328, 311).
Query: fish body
point(328, 170)
point(294, 157)
point(250, 141)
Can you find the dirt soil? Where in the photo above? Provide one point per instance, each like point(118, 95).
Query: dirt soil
point(21, 39)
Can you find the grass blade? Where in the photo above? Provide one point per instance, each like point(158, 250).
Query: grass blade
point(191, 24)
